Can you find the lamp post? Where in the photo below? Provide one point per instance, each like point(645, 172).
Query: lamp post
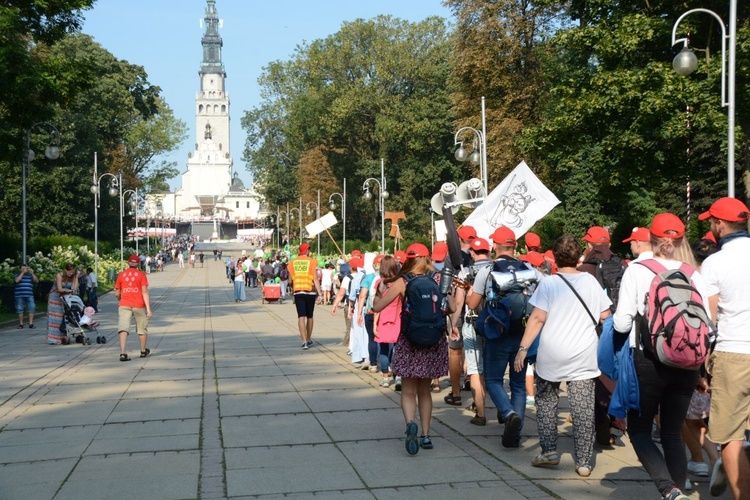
point(685, 63)
point(52, 152)
point(332, 206)
point(278, 220)
point(115, 188)
point(299, 215)
point(478, 155)
point(382, 195)
point(134, 192)
point(317, 214)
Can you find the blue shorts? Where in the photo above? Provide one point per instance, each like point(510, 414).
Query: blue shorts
point(25, 303)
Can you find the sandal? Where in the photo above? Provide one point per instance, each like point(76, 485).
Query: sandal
point(453, 400)
point(20, 327)
point(124, 357)
point(472, 407)
point(145, 353)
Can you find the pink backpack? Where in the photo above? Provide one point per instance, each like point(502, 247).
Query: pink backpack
point(675, 327)
point(389, 320)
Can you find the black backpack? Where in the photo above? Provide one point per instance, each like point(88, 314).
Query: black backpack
point(422, 320)
point(506, 300)
point(609, 275)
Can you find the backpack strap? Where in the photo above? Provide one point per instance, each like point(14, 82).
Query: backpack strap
point(653, 265)
point(596, 323)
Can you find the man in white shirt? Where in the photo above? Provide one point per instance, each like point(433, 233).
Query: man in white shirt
point(640, 244)
point(727, 278)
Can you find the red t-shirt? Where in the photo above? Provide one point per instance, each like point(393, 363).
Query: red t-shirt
point(130, 282)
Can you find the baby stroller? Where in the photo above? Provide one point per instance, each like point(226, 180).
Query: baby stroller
point(271, 293)
point(74, 328)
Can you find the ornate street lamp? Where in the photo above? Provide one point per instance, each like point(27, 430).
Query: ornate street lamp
point(382, 195)
point(332, 206)
point(52, 152)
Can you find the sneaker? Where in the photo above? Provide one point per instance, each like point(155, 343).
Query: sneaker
point(374, 369)
point(365, 365)
point(718, 484)
point(676, 494)
point(398, 383)
point(530, 401)
point(412, 446)
point(688, 485)
point(546, 459)
point(305, 346)
point(425, 442)
point(477, 420)
point(511, 436)
point(385, 382)
point(585, 471)
point(699, 469)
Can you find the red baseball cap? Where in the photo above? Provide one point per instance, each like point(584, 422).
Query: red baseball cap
point(533, 240)
point(728, 209)
point(639, 234)
point(417, 250)
point(710, 237)
point(377, 259)
point(467, 233)
point(596, 235)
point(548, 255)
point(667, 225)
point(400, 256)
point(504, 236)
point(480, 245)
point(534, 258)
point(134, 259)
point(439, 251)
point(303, 248)
point(356, 262)
point(356, 253)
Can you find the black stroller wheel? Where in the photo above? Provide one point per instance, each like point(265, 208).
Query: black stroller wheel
point(104, 339)
point(98, 340)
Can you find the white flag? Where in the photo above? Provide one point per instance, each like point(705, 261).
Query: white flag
point(516, 203)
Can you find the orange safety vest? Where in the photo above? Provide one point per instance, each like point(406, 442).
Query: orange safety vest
point(302, 272)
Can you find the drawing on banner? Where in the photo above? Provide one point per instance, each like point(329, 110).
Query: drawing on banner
point(510, 211)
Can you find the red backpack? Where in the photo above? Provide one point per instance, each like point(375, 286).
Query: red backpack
point(675, 326)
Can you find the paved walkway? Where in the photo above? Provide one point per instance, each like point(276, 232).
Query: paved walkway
point(228, 405)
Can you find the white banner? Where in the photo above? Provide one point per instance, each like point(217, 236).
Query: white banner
point(319, 225)
point(516, 203)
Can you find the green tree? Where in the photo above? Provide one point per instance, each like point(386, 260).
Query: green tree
point(375, 89)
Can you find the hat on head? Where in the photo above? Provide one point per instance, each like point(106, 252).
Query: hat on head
point(400, 256)
point(710, 237)
point(356, 262)
point(728, 209)
point(667, 225)
point(548, 255)
point(89, 311)
point(533, 240)
point(504, 236)
point(417, 250)
point(480, 245)
point(439, 251)
point(639, 234)
point(534, 258)
point(303, 248)
point(377, 259)
point(596, 235)
point(467, 233)
point(133, 259)
point(356, 253)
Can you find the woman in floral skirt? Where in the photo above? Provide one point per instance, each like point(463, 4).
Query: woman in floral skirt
point(416, 365)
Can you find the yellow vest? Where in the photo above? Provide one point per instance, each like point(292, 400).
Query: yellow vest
point(302, 272)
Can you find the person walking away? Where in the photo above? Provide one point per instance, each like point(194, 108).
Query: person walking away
point(131, 289)
point(342, 297)
point(81, 277)
point(479, 249)
point(569, 307)
point(387, 323)
point(93, 286)
point(358, 337)
point(201, 257)
point(365, 315)
point(727, 277)
point(24, 294)
point(499, 354)
point(181, 259)
point(284, 277)
point(305, 286)
point(660, 386)
point(417, 364)
point(326, 283)
point(455, 348)
point(65, 284)
point(640, 244)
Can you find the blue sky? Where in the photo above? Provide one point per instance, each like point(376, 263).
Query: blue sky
point(164, 37)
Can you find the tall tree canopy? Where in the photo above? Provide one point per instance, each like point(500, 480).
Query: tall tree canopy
point(375, 89)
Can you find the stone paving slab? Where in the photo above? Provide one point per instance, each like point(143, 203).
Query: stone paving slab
point(229, 406)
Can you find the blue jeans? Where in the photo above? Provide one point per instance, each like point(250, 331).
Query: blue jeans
point(385, 354)
point(93, 299)
point(499, 356)
point(372, 346)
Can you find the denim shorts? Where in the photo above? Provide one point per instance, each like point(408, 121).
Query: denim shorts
point(25, 303)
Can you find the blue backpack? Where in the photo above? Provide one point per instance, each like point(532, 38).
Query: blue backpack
point(506, 301)
point(422, 320)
